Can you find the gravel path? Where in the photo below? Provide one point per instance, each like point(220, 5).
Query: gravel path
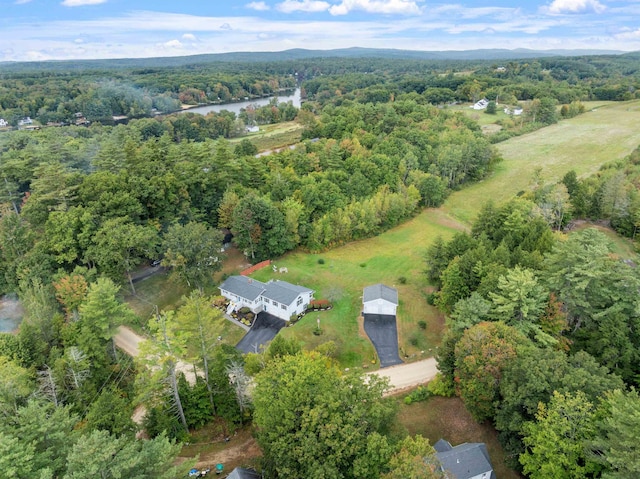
point(406, 376)
point(129, 341)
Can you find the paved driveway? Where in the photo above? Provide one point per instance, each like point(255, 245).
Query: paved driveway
point(262, 332)
point(381, 329)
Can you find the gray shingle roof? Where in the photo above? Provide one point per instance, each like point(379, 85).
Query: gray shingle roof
point(241, 473)
point(380, 291)
point(244, 287)
point(442, 446)
point(466, 460)
point(283, 292)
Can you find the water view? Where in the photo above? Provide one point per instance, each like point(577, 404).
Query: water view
point(10, 313)
point(293, 97)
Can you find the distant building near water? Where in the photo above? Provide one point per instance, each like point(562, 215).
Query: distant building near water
point(515, 111)
point(3, 123)
point(252, 129)
point(480, 104)
point(25, 121)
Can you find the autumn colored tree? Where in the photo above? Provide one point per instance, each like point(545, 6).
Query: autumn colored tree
point(71, 290)
point(481, 354)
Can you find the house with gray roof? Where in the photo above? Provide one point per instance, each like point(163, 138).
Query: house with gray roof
point(276, 297)
point(465, 461)
point(380, 299)
point(242, 473)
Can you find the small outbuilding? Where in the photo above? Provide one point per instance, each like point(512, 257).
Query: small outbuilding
point(380, 299)
point(465, 461)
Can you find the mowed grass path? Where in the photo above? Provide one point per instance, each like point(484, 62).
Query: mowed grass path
point(584, 143)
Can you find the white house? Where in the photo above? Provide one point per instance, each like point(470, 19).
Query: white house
point(3, 123)
point(25, 121)
point(465, 461)
point(480, 104)
point(253, 129)
point(279, 298)
point(380, 299)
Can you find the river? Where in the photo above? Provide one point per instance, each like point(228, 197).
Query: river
point(237, 106)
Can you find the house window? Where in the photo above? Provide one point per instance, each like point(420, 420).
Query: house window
point(299, 301)
point(275, 304)
point(283, 306)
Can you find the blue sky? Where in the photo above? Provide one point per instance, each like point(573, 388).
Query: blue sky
point(70, 29)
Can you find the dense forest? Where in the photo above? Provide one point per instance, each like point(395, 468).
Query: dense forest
point(542, 326)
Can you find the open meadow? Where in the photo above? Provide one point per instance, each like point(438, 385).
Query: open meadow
point(584, 143)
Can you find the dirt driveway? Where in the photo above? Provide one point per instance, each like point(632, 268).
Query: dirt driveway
point(405, 376)
point(129, 341)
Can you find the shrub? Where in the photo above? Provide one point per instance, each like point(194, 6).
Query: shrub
point(362, 265)
point(220, 301)
point(421, 393)
point(244, 310)
point(431, 298)
point(441, 386)
point(402, 280)
point(320, 260)
point(319, 304)
point(414, 341)
point(422, 324)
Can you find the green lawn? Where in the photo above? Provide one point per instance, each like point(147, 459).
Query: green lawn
point(348, 269)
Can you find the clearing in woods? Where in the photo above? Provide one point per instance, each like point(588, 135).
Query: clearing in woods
point(605, 133)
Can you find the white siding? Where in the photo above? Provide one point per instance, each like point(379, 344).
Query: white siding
point(379, 306)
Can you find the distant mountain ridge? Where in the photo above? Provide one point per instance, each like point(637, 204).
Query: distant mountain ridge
point(302, 54)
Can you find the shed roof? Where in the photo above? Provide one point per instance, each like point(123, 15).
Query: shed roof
point(283, 292)
point(242, 473)
point(466, 460)
point(380, 291)
point(245, 287)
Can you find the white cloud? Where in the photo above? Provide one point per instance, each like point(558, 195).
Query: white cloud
point(173, 44)
point(189, 36)
point(629, 35)
point(575, 6)
point(260, 6)
point(312, 6)
point(80, 3)
point(225, 26)
point(402, 7)
point(21, 2)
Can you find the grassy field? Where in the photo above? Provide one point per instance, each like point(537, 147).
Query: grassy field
point(274, 136)
point(583, 143)
point(446, 418)
point(395, 254)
